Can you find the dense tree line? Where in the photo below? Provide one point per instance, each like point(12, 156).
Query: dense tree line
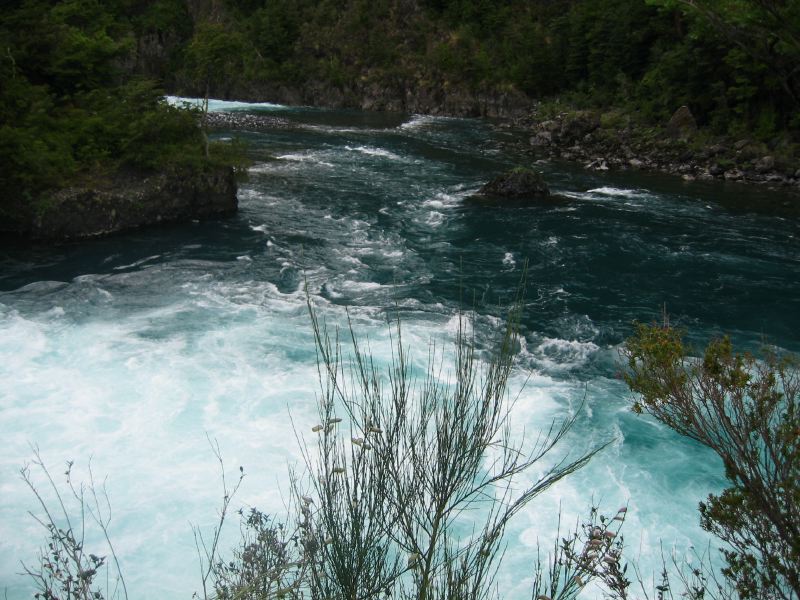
point(733, 62)
point(72, 108)
point(80, 79)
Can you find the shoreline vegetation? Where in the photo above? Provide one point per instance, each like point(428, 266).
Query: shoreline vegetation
point(704, 89)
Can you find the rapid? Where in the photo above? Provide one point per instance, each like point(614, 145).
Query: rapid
point(132, 350)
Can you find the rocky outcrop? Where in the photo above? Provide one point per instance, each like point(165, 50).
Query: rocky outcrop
point(417, 96)
point(682, 124)
point(612, 141)
point(517, 185)
point(127, 201)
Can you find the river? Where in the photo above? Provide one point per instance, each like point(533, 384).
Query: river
point(130, 350)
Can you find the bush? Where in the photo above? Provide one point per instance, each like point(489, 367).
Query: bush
point(748, 412)
point(65, 569)
point(384, 505)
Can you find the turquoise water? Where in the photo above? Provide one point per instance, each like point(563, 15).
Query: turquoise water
point(129, 350)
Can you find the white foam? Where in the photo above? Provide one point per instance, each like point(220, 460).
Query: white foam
point(618, 192)
point(445, 200)
point(138, 394)
point(215, 105)
point(370, 151)
point(434, 218)
point(419, 122)
point(554, 354)
point(311, 157)
point(361, 286)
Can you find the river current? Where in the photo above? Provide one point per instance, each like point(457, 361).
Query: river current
point(131, 350)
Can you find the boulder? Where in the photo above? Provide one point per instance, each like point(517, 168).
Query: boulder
point(636, 163)
point(682, 124)
point(765, 164)
point(716, 170)
point(598, 164)
point(578, 125)
point(542, 138)
point(517, 184)
point(717, 149)
point(551, 126)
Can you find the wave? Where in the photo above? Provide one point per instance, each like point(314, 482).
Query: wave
point(418, 122)
point(370, 151)
point(138, 263)
point(434, 218)
point(340, 129)
point(310, 157)
point(444, 200)
point(618, 192)
point(222, 105)
point(556, 355)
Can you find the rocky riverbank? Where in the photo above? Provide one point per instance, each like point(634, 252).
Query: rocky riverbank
point(124, 201)
point(376, 94)
point(598, 140)
point(605, 141)
point(243, 120)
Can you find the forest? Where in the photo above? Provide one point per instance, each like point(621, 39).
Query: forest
point(82, 80)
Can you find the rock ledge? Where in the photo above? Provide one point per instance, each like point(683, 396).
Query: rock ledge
point(126, 201)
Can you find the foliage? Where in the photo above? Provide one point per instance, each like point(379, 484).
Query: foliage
point(419, 455)
point(66, 570)
point(733, 63)
point(70, 102)
point(383, 510)
point(748, 412)
point(70, 108)
point(593, 552)
point(214, 56)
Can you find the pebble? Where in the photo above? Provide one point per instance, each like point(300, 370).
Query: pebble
point(243, 120)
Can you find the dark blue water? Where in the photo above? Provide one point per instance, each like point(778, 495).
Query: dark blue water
point(129, 349)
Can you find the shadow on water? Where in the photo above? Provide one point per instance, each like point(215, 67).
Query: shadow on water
point(22, 262)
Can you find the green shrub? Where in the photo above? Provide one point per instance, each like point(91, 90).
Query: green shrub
point(748, 412)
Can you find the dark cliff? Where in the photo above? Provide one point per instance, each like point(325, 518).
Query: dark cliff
point(125, 201)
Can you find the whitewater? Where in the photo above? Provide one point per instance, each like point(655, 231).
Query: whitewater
point(131, 351)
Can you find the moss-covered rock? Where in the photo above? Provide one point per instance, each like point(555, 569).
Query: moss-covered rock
point(517, 183)
point(520, 186)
